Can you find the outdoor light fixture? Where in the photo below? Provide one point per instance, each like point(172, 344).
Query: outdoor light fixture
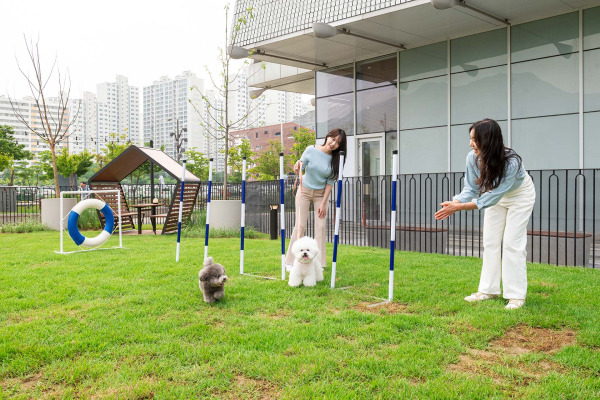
point(237, 52)
point(445, 4)
point(325, 31)
point(254, 94)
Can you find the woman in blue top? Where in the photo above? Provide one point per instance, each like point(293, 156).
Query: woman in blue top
point(506, 191)
point(321, 164)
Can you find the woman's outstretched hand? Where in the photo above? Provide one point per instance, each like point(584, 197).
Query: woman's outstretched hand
point(448, 208)
point(322, 210)
point(297, 167)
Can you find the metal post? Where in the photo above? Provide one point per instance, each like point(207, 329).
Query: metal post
point(393, 223)
point(180, 211)
point(282, 215)
point(243, 219)
point(210, 167)
point(337, 220)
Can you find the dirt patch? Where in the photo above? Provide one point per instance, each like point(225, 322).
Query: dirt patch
point(381, 308)
point(525, 339)
point(507, 351)
point(254, 388)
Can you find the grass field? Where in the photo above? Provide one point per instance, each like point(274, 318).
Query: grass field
point(131, 324)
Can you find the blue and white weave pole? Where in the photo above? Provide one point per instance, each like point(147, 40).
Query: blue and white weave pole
point(210, 164)
point(180, 212)
point(393, 223)
point(337, 220)
point(243, 220)
point(282, 214)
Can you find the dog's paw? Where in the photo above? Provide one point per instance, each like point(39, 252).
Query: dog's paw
point(288, 267)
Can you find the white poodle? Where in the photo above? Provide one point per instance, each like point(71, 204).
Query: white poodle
point(307, 267)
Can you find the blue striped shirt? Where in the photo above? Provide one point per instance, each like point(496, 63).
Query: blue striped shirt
point(512, 179)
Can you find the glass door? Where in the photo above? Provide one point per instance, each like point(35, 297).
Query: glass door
point(371, 164)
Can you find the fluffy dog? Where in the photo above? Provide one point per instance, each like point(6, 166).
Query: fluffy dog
point(307, 267)
point(211, 280)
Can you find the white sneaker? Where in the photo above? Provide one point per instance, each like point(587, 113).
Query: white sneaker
point(514, 304)
point(479, 297)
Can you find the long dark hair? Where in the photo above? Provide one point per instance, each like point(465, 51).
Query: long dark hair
point(492, 156)
point(335, 155)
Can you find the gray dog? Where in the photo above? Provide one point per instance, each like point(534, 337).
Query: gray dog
point(212, 279)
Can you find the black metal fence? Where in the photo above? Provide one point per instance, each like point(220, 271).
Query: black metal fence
point(564, 228)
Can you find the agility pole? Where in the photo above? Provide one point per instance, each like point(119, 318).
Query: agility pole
point(243, 218)
point(393, 223)
point(180, 213)
point(337, 220)
point(282, 211)
point(210, 164)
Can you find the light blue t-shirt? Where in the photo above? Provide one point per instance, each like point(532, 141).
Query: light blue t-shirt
point(316, 163)
point(513, 178)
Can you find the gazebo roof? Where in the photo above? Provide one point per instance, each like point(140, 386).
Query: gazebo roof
point(134, 156)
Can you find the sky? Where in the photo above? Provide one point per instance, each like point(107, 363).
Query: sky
point(97, 40)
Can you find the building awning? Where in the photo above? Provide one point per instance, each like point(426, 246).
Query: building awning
point(413, 24)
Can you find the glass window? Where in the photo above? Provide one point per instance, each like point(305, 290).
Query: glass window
point(479, 94)
point(334, 81)
point(459, 144)
point(374, 73)
point(391, 144)
point(424, 150)
point(591, 140)
point(424, 103)
point(591, 81)
point(545, 87)
point(591, 28)
point(377, 109)
point(335, 112)
point(545, 37)
point(547, 142)
point(423, 62)
point(478, 51)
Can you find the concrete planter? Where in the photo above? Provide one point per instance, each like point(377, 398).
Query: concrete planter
point(51, 212)
point(409, 238)
point(562, 248)
point(225, 213)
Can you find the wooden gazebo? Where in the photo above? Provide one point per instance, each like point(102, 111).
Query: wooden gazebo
point(113, 173)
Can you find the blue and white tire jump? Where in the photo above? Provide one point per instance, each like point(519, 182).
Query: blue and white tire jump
point(109, 218)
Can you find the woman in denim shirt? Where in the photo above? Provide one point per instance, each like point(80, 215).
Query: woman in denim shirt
point(496, 174)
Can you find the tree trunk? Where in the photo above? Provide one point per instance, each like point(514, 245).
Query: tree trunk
point(56, 186)
point(225, 191)
point(12, 177)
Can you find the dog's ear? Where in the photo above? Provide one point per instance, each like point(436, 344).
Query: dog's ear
point(202, 275)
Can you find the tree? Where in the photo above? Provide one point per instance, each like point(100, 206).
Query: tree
point(267, 162)
point(11, 151)
point(303, 138)
point(67, 164)
point(214, 113)
point(236, 159)
point(115, 146)
point(197, 163)
point(54, 123)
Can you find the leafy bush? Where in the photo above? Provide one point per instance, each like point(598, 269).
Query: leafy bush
point(25, 226)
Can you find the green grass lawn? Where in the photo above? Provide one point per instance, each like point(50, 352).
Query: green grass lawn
point(131, 324)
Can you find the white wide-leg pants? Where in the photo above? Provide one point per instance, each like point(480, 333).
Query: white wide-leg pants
point(505, 242)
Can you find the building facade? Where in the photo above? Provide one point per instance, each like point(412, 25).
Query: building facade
point(537, 76)
point(26, 107)
point(113, 109)
point(168, 102)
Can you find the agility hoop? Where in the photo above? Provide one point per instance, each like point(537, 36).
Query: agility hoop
point(73, 218)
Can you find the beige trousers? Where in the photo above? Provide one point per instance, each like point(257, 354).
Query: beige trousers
point(303, 200)
point(505, 242)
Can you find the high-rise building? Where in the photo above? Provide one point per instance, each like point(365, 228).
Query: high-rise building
point(168, 101)
point(28, 109)
point(114, 109)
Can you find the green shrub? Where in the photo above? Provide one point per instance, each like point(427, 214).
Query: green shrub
point(25, 226)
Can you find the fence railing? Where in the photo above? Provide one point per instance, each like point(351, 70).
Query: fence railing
point(564, 228)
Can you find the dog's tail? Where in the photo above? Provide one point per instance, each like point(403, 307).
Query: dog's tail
point(208, 261)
